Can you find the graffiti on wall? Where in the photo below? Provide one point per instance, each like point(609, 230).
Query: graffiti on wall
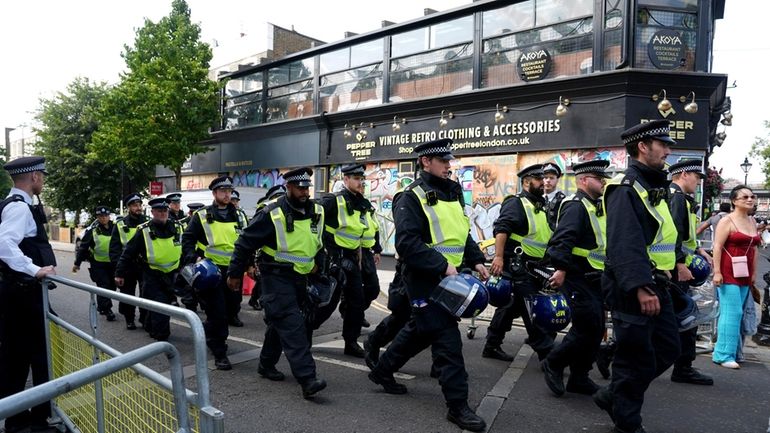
point(263, 178)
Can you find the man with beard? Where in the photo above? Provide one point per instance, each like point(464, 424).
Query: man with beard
point(124, 231)
point(26, 257)
point(576, 251)
point(641, 242)
point(95, 248)
point(158, 247)
point(433, 240)
point(523, 225)
point(215, 229)
point(350, 234)
point(551, 192)
point(289, 234)
point(175, 212)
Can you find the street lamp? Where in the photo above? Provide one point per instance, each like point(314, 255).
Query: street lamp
point(746, 166)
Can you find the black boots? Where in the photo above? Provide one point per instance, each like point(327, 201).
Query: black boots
point(353, 349)
point(388, 383)
point(495, 352)
point(465, 418)
point(270, 373)
point(310, 387)
point(372, 354)
point(554, 378)
point(690, 375)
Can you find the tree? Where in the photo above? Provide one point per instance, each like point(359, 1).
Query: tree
point(761, 148)
point(68, 122)
point(164, 105)
point(712, 186)
point(5, 180)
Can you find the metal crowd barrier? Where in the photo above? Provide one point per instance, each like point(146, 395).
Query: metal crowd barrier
point(114, 392)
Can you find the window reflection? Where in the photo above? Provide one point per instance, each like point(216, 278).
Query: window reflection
point(436, 36)
point(351, 89)
point(243, 101)
point(443, 71)
point(650, 21)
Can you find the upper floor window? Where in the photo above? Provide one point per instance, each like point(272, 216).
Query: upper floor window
point(432, 37)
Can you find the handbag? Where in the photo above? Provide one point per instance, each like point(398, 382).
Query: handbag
point(740, 263)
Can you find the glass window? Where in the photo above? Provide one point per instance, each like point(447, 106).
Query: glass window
point(243, 111)
point(675, 4)
point(513, 18)
point(435, 36)
point(351, 89)
point(650, 21)
point(556, 11)
point(409, 42)
point(438, 72)
point(368, 52)
point(335, 60)
point(290, 102)
point(289, 72)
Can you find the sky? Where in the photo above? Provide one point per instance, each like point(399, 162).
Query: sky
point(45, 45)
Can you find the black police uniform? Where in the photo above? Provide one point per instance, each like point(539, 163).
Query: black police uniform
point(102, 273)
point(513, 219)
point(284, 291)
point(646, 346)
point(355, 298)
point(133, 272)
point(156, 285)
point(179, 215)
point(553, 203)
point(683, 369)
point(256, 292)
point(182, 289)
point(22, 326)
point(388, 328)
point(214, 302)
point(423, 269)
point(582, 288)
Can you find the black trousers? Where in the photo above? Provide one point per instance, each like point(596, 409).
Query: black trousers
point(130, 282)
point(352, 308)
point(540, 340)
point(431, 326)
point(103, 275)
point(283, 294)
point(233, 299)
point(22, 348)
point(158, 287)
point(400, 312)
point(579, 347)
point(369, 278)
point(215, 326)
point(687, 340)
point(646, 347)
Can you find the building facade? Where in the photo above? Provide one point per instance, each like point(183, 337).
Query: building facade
point(511, 82)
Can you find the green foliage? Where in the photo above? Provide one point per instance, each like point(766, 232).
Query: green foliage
point(68, 121)
point(165, 104)
point(712, 185)
point(761, 148)
point(5, 180)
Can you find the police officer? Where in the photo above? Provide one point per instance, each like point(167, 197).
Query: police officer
point(289, 233)
point(433, 240)
point(350, 229)
point(388, 328)
point(25, 258)
point(576, 251)
point(175, 212)
point(211, 233)
point(641, 239)
point(182, 289)
point(95, 248)
point(522, 224)
point(686, 176)
point(157, 245)
point(272, 194)
point(551, 192)
point(124, 231)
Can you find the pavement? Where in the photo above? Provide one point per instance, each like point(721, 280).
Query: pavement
point(511, 397)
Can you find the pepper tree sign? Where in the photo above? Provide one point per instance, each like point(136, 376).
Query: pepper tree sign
point(534, 64)
point(667, 49)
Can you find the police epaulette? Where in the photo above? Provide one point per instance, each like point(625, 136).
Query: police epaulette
point(627, 180)
point(270, 206)
point(143, 225)
point(120, 218)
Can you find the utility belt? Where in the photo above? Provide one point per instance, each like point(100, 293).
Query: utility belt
point(271, 267)
point(19, 281)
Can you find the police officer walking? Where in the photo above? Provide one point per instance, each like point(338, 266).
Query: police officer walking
point(181, 288)
point(686, 176)
point(157, 245)
point(215, 229)
point(289, 233)
point(95, 248)
point(641, 239)
point(272, 194)
point(350, 229)
point(175, 212)
point(124, 231)
point(25, 258)
point(576, 251)
point(522, 225)
point(433, 240)
point(551, 192)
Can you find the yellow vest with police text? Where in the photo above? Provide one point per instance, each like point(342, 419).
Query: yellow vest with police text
point(220, 236)
point(449, 226)
point(353, 231)
point(535, 241)
point(299, 246)
point(690, 244)
point(163, 254)
point(101, 249)
point(125, 232)
point(596, 256)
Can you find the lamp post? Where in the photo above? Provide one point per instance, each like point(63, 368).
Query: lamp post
point(746, 166)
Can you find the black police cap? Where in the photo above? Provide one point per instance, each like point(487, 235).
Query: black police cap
point(437, 148)
point(25, 164)
point(688, 166)
point(101, 210)
point(550, 167)
point(235, 195)
point(300, 177)
point(195, 206)
point(130, 198)
point(221, 182)
point(274, 191)
point(353, 170)
point(159, 203)
point(174, 197)
point(535, 170)
point(656, 129)
point(597, 167)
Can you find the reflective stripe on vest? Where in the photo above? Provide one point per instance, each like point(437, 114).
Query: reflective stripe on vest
point(101, 250)
point(368, 240)
point(535, 242)
point(449, 226)
point(690, 245)
point(220, 237)
point(298, 247)
point(596, 257)
point(662, 250)
point(350, 228)
point(125, 236)
point(163, 254)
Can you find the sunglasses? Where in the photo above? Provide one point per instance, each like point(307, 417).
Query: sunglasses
point(746, 197)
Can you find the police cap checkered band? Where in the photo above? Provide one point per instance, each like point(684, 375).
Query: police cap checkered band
point(657, 129)
point(127, 200)
point(26, 164)
point(549, 166)
point(300, 176)
point(297, 178)
point(690, 165)
point(221, 182)
point(532, 170)
point(438, 148)
point(594, 167)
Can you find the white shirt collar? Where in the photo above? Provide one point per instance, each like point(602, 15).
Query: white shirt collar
point(22, 193)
